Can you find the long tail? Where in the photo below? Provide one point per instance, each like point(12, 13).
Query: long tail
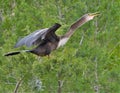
point(15, 53)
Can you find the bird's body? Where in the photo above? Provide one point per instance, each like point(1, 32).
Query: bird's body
point(44, 49)
point(46, 40)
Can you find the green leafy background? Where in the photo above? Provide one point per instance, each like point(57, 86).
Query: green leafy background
point(90, 67)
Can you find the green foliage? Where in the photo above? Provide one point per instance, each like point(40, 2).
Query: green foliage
point(92, 66)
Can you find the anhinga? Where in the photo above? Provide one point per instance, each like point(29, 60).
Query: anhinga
point(46, 40)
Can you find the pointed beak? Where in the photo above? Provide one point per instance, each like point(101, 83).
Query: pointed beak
point(94, 14)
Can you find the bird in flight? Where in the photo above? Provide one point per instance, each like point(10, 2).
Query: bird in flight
point(46, 39)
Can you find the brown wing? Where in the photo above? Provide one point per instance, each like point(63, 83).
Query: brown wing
point(38, 36)
point(51, 36)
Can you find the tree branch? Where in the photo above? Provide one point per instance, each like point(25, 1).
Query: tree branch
point(96, 86)
point(81, 40)
point(17, 85)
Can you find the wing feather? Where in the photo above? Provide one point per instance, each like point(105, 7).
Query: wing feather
point(37, 37)
point(31, 39)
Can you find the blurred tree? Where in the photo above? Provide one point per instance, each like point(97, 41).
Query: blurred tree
point(92, 66)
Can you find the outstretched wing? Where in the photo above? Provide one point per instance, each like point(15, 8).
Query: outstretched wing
point(31, 39)
point(38, 36)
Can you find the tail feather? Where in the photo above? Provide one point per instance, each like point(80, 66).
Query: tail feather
point(12, 53)
point(15, 53)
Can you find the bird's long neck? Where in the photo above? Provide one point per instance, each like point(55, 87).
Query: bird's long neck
point(76, 25)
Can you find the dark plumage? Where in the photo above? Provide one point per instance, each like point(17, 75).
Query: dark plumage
point(46, 40)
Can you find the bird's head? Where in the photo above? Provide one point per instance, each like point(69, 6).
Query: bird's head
point(90, 16)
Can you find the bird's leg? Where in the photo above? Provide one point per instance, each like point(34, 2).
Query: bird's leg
point(48, 56)
point(39, 58)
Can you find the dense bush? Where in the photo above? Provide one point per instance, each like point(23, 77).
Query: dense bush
point(90, 67)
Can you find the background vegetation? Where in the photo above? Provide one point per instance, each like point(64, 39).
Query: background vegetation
point(90, 66)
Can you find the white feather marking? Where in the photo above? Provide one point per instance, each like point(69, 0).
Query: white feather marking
point(40, 31)
point(62, 42)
